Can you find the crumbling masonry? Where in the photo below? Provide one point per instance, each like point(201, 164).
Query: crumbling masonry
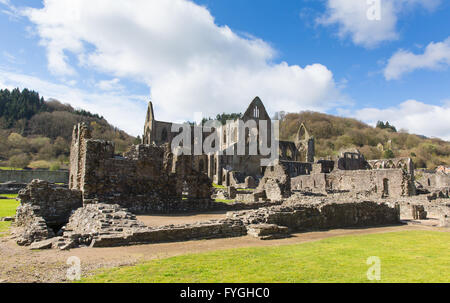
point(299, 193)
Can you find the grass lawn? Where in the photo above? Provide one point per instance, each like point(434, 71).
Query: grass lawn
point(224, 201)
point(7, 209)
point(8, 206)
point(411, 256)
point(9, 168)
point(218, 186)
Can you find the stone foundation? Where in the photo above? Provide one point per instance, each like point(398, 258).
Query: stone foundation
point(106, 225)
point(299, 216)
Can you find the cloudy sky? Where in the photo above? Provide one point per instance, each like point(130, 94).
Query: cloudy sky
point(368, 59)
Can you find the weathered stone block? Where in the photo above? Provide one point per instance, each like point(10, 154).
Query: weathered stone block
point(267, 231)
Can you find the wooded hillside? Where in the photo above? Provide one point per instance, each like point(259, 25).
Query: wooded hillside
point(384, 141)
point(37, 133)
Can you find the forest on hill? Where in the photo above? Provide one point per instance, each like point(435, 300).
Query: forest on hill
point(334, 134)
point(36, 133)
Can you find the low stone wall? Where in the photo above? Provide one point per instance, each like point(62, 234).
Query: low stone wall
point(434, 209)
point(106, 225)
point(199, 231)
point(244, 205)
point(11, 187)
point(26, 176)
point(299, 216)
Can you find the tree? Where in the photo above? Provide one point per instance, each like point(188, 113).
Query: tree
point(19, 161)
point(387, 126)
point(388, 154)
point(17, 141)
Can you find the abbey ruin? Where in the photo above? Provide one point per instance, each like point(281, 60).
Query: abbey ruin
point(299, 192)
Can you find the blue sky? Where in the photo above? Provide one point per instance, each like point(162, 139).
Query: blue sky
point(214, 56)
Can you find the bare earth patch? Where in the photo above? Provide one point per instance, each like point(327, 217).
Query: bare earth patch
point(19, 264)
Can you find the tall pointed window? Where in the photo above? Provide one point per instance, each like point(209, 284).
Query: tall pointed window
point(255, 112)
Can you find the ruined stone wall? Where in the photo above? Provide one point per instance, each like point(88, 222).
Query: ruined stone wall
point(106, 225)
point(295, 169)
point(431, 179)
point(400, 163)
point(26, 176)
point(300, 216)
point(11, 187)
point(276, 183)
point(351, 161)
point(80, 135)
point(55, 203)
point(148, 178)
point(327, 166)
point(44, 208)
point(315, 182)
point(380, 183)
point(30, 226)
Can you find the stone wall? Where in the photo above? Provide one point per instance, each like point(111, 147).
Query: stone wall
point(435, 208)
point(30, 226)
point(351, 161)
point(55, 204)
point(26, 176)
point(298, 216)
point(399, 163)
point(106, 225)
point(11, 187)
point(380, 182)
point(297, 168)
point(432, 180)
point(276, 183)
point(314, 182)
point(147, 179)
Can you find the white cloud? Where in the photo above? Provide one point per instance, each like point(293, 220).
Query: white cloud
point(174, 46)
point(436, 56)
point(10, 58)
point(10, 10)
point(351, 18)
point(110, 85)
point(121, 110)
point(416, 117)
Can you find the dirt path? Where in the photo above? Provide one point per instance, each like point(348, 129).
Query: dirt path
point(157, 220)
point(19, 264)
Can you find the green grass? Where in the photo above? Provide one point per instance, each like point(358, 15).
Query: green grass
point(9, 168)
point(412, 256)
point(7, 209)
point(224, 201)
point(218, 186)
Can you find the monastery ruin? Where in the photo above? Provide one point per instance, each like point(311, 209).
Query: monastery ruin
point(299, 193)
